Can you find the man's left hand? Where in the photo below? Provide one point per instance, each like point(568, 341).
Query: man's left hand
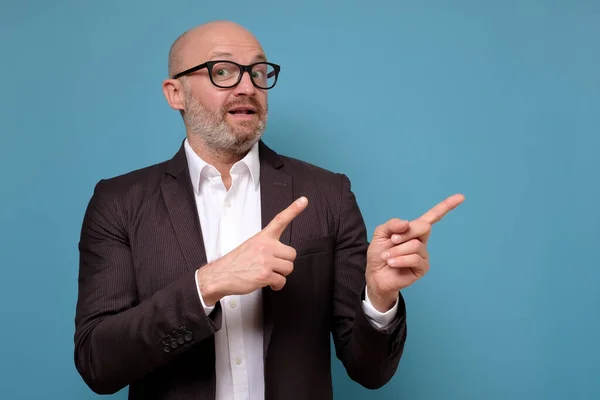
point(397, 256)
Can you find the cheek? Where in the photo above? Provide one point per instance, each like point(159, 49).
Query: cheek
point(210, 97)
point(262, 98)
point(213, 101)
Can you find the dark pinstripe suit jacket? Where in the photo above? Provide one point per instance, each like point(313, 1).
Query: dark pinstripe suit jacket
point(139, 320)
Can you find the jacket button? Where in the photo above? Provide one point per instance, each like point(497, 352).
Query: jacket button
point(167, 349)
point(188, 336)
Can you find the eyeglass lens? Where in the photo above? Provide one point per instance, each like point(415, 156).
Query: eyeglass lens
point(227, 74)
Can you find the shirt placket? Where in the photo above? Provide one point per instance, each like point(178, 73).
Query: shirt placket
point(228, 234)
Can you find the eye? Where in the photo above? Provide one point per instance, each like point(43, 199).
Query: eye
point(225, 72)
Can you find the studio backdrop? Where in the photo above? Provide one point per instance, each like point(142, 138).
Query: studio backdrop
point(414, 101)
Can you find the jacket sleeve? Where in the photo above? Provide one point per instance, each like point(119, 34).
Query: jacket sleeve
point(119, 339)
point(369, 355)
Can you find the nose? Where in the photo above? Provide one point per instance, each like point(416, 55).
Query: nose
point(245, 87)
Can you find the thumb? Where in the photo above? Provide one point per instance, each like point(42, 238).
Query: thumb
point(283, 219)
point(393, 226)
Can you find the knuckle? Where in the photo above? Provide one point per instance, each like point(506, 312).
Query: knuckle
point(425, 265)
point(417, 245)
point(426, 226)
point(394, 251)
point(407, 261)
point(263, 274)
point(422, 227)
point(290, 268)
point(400, 223)
point(280, 283)
point(279, 218)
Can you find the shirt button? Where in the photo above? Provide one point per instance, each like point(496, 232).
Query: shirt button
point(238, 360)
point(232, 304)
point(227, 204)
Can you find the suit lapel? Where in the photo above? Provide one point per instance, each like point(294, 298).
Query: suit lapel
point(181, 205)
point(276, 194)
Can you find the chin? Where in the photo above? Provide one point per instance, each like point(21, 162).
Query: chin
point(248, 131)
point(242, 140)
point(249, 138)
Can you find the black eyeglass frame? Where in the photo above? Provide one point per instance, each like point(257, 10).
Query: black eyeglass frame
point(243, 68)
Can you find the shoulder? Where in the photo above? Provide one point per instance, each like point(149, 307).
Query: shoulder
point(310, 179)
point(306, 173)
point(118, 199)
point(127, 184)
point(334, 203)
point(299, 170)
point(304, 169)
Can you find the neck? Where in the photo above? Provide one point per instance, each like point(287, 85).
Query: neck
point(222, 161)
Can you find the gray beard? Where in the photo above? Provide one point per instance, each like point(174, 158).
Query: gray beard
point(214, 131)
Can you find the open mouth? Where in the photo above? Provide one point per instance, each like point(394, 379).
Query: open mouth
point(242, 111)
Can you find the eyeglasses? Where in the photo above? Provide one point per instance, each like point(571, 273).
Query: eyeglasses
point(227, 74)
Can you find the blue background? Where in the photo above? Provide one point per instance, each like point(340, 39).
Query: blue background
point(413, 100)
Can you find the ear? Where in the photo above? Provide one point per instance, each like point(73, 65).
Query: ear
point(174, 93)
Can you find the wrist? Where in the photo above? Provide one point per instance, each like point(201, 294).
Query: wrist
point(382, 302)
point(209, 289)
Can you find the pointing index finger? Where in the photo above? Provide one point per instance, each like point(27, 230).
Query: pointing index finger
point(283, 219)
point(440, 210)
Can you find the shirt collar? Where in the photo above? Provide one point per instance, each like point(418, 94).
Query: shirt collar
point(197, 165)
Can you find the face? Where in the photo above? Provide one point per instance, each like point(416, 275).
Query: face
point(231, 120)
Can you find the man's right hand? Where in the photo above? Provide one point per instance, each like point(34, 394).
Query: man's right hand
point(260, 261)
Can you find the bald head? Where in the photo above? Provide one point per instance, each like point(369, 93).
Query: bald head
point(195, 45)
point(220, 119)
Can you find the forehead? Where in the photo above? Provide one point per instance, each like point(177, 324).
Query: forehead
point(231, 44)
point(240, 52)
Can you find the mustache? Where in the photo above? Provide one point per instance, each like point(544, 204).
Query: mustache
point(249, 102)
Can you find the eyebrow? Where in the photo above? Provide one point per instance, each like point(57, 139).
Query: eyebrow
point(259, 57)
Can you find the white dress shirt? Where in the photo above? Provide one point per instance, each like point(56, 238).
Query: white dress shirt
point(228, 218)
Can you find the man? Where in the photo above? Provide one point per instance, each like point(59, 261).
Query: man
point(221, 273)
